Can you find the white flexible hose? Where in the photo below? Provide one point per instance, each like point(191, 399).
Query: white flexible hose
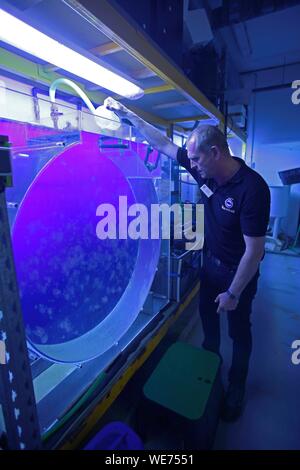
point(75, 87)
point(103, 117)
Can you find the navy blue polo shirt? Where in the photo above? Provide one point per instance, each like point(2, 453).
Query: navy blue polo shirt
point(239, 207)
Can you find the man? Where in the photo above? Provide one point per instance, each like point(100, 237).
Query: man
point(236, 212)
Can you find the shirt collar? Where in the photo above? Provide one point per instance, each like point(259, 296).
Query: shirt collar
point(238, 176)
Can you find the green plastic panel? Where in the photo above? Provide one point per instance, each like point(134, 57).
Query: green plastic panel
point(183, 380)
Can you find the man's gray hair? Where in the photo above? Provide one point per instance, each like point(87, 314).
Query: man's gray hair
point(207, 136)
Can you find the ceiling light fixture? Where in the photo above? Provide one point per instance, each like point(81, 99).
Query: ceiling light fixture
point(28, 39)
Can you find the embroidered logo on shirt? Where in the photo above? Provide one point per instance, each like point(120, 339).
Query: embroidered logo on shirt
point(228, 205)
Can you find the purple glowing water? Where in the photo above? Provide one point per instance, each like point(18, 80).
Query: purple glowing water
point(79, 294)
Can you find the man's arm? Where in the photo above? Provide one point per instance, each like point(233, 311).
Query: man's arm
point(155, 138)
point(248, 266)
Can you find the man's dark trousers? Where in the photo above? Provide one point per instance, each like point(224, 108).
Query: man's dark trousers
point(216, 279)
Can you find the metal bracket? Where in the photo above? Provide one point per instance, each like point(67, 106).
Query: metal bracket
point(5, 161)
point(151, 166)
point(119, 145)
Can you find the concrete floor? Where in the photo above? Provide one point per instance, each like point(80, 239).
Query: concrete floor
point(271, 419)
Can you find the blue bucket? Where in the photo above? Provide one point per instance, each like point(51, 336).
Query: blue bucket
point(115, 436)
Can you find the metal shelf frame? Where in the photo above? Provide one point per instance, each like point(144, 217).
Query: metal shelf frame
point(106, 18)
point(16, 387)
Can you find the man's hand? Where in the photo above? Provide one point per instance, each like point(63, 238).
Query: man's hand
point(117, 108)
point(225, 302)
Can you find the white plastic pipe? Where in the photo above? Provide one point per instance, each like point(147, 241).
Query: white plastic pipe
point(104, 118)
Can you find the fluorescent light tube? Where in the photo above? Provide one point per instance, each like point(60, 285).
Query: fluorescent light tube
point(28, 39)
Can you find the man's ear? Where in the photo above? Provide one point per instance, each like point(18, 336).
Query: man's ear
point(215, 152)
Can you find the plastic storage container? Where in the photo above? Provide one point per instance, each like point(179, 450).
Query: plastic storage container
point(115, 436)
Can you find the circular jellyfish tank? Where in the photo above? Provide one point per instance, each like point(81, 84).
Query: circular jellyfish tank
point(79, 293)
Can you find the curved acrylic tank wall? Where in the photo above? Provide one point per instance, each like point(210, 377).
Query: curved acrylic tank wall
point(80, 294)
